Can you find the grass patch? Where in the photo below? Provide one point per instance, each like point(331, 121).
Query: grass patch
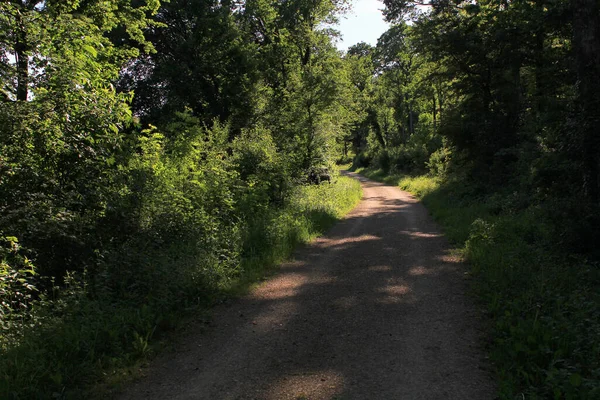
point(543, 305)
point(313, 209)
point(77, 344)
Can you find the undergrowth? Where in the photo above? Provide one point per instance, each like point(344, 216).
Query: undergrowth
point(74, 340)
point(543, 305)
point(312, 210)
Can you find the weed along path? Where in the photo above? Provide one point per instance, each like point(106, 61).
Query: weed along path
point(375, 309)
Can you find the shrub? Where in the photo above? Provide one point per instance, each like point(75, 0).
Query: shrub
point(439, 162)
point(17, 290)
point(362, 160)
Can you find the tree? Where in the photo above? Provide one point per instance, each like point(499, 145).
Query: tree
point(361, 69)
point(204, 62)
point(301, 81)
point(586, 43)
point(61, 117)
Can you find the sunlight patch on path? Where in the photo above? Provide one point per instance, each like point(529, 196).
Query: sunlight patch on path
point(308, 385)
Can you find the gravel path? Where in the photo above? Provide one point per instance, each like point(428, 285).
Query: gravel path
point(376, 309)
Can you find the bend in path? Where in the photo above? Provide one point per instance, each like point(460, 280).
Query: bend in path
point(375, 309)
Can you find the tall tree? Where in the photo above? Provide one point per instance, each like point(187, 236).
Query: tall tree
point(586, 43)
point(203, 61)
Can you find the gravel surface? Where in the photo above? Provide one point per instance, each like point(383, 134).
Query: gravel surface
point(375, 309)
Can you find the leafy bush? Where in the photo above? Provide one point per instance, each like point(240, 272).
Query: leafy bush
point(262, 168)
point(362, 160)
point(409, 159)
point(438, 163)
point(17, 290)
point(382, 160)
point(544, 310)
point(190, 216)
point(310, 211)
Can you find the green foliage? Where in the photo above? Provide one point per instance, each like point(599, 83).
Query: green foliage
point(439, 161)
point(17, 290)
point(68, 341)
point(311, 210)
point(76, 333)
point(151, 159)
point(204, 61)
point(544, 309)
point(58, 146)
point(264, 170)
point(179, 197)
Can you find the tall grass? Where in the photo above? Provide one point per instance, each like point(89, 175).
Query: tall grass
point(312, 210)
point(78, 339)
point(543, 305)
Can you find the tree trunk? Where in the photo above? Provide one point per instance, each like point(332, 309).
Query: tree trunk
point(411, 125)
point(440, 96)
point(376, 127)
point(541, 81)
point(434, 109)
point(22, 59)
point(306, 56)
point(308, 161)
point(586, 44)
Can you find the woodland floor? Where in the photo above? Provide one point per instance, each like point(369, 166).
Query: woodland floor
point(375, 309)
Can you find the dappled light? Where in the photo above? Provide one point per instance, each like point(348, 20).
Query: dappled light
point(420, 234)
point(420, 270)
point(283, 286)
point(339, 245)
point(356, 314)
point(307, 385)
point(394, 293)
point(380, 268)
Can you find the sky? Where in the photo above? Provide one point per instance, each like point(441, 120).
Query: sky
point(363, 23)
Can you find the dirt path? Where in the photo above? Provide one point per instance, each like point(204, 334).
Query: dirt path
point(376, 309)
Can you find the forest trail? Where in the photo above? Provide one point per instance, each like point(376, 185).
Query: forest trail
point(375, 309)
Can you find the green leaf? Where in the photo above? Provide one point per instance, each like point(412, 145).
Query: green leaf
point(90, 50)
point(575, 380)
point(557, 393)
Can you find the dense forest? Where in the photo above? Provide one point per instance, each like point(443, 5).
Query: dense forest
point(154, 154)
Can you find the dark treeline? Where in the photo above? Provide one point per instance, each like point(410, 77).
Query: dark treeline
point(503, 93)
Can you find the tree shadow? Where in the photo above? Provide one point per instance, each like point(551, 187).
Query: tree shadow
point(375, 309)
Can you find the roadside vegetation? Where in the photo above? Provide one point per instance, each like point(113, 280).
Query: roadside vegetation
point(79, 334)
point(154, 158)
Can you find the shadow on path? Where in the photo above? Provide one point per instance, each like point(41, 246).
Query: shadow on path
point(375, 309)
